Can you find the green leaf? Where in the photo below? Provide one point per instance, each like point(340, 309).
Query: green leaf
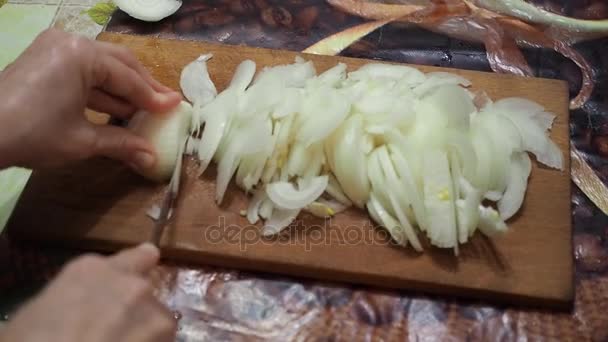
point(100, 13)
point(3, 2)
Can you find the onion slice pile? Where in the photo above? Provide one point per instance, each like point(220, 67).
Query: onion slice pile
point(418, 151)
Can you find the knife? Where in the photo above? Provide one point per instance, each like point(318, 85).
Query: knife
point(168, 200)
point(588, 181)
point(163, 218)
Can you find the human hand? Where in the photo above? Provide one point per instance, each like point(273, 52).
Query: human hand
point(44, 93)
point(97, 299)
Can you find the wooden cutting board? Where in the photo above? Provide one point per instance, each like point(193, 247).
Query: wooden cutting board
point(100, 205)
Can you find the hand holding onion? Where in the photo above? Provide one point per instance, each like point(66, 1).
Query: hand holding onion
point(47, 89)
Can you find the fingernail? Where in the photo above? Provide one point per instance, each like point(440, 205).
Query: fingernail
point(144, 160)
point(167, 97)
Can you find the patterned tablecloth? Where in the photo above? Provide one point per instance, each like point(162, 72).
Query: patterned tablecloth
point(218, 304)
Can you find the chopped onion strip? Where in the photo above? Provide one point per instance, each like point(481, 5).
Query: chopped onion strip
point(254, 206)
point(196, 83)
point(285, 196)
point(279, 220)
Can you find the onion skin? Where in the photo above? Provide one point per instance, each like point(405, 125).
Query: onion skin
point(463, 19)
point(528, 12)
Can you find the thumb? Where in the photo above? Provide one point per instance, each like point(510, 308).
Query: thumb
point(121, 144)
point(136, 260)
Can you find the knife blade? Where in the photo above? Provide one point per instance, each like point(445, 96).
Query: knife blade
point(168, 202)
point(588, 181)
point(163, 218)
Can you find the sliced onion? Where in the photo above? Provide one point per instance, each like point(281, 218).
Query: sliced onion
point(525, 106)
point(378, 181)
point(331, 77)
point(255, 137)
point(375, 101)
point(289, 104)
point(335, 191)
point(254, 206)
point(439, 199)
point(319, 209)
point(552, 156)
point(397, 114)
point(325, 208)
point(267, 208)
point(299, 159)
point(405, 224)
point(483, 154)
point(285, 196)
point(225, 170)
point(430, 127)
point(502, 130)
point(493, 195)
point(260, 99)
point(243, 75)
point(279, 220)
point(386, 220)
point(192, 145)
point(215, 126)
point(317, 160)
point(321, 113)
point(197, 119)
point(349, 160)
point(279, 154)
point(437, 79)
point(455, 170)
point(413, 149)
point(230, 133)
point(459, 144)
point(289, 75)
point(467, 209)
point(196, 83)
point(245, 169)
point(394, 184)
point(451, 101)
point(517, 104)
point(544, 120)
point(394, 72)
point(490, 223)
point(250, 170)
point(536, 141)
point(519, 171)
point(408, 151)
point(250, 141)
point(501, 146)
point(408, 184)
point(252, 165)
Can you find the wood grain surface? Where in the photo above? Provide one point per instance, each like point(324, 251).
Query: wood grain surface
point(100, 205)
